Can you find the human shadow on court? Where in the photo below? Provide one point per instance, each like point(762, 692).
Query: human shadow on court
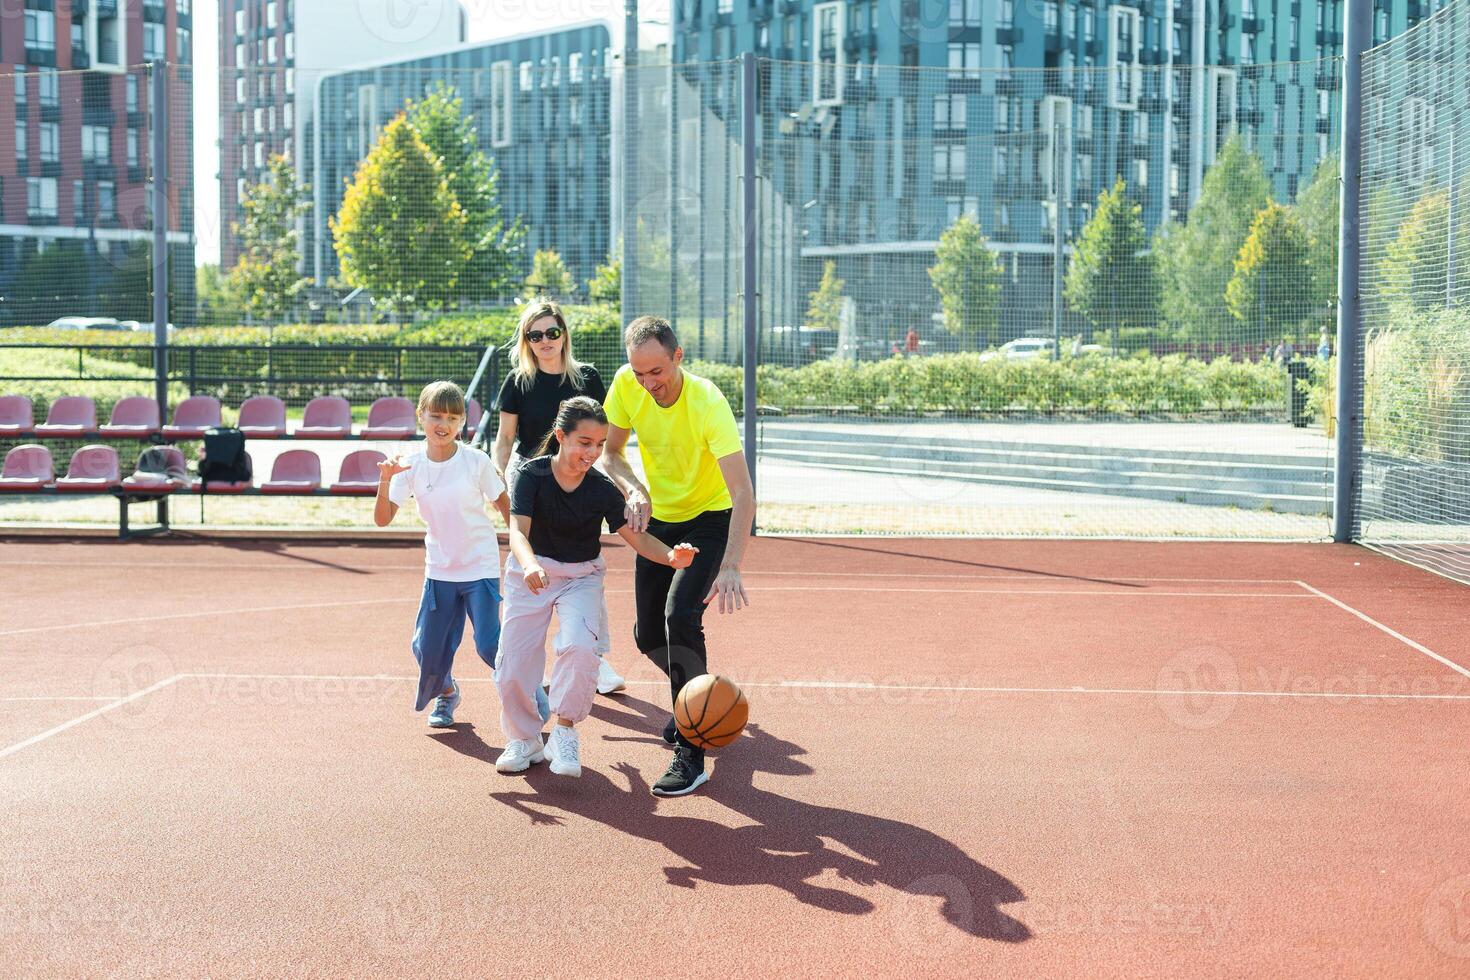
point(463, 738)
point(939, 559)
point(786, 845)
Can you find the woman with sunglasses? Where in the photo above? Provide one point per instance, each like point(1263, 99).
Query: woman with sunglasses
point(543, 374)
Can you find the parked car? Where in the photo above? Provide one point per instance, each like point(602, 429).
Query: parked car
point(136, 326)
point(1021, 349)
point(85, 323)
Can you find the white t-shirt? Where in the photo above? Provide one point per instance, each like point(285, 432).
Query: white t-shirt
point(461, 545)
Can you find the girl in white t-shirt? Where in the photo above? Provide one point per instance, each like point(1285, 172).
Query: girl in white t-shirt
point(450, 482)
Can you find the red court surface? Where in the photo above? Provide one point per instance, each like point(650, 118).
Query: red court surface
point(979, 758)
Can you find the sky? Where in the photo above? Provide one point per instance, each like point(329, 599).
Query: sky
point(488, 20)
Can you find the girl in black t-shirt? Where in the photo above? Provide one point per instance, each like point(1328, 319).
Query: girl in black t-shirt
point(558, 505)
point(543, 374)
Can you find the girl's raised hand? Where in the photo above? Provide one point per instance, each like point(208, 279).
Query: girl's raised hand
point(536, 579)
point(391, 467)
point(682, 555)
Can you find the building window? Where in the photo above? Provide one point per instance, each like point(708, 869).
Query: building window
point(367, 117)
point(964, 60)
point(1002, 162)
point(1007, 17)
point(963, 13)
point(41, 30)
point(949, 112)
point(22, 149)
point(78, 202)
point(287, 115)
point(574, 68)
point(132, 97)
point(132, 147)
point(270, 51)
point(556, 71)
point(1051, 16)
point(272, 10)
point(259, 119)
point(97, 144)
point(949, 161)
point(1219, 110)
point(50, 142)
point(1124, 75)
point(240, 22)
point(291, 46)
point(154, 42)
point(240, 60)
point(724, 6)
point(41, 197)
point(106, 200)
point(829, 27)
point(259, 155)
point(240, 89)
point(183, 6)
point(290, 81)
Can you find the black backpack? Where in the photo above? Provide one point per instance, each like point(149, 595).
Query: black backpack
point(225, 458)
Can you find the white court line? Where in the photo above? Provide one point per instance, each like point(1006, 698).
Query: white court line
point(12, 749)
point(871, 686)
point(59, 697)
point(1391, 632)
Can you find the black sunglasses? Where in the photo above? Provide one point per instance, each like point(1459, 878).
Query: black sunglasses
point(551, 333)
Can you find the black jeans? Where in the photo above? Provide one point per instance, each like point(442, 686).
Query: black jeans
point(670, 626)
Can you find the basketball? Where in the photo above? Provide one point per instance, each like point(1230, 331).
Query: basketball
point(711, 711)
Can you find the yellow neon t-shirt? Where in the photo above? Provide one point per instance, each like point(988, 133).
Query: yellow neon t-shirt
point(680, 445)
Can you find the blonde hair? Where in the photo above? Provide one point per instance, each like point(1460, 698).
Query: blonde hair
point(524, 366)
point(443, 397)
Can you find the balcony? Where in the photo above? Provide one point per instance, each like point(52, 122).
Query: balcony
point(45, 57)
point(41, 217)
point(98, 115)
point(1252, 25)
point(96, 170)
point(80, 58)
point(1324, 125)
point(1227, 20)
point(1328, 82)
point(106, 8)
point(1252, 116)
point(1329, 39)
point(1007, 86)
point(79, 9)
point(1008, 35)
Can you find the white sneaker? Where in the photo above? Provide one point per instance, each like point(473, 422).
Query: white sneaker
point(608, 680)
point(564, 749)
point(519, 755)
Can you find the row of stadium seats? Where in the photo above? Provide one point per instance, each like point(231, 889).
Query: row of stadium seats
point(95, 469)
point(261, 417)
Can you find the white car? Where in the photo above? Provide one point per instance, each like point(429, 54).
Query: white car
point(85, 323)
point(1021, 349)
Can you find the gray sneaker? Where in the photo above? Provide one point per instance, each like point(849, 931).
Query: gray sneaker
point(444, 706)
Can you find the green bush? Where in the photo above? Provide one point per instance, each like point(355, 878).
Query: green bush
point(1416, 391)
point(963, 384)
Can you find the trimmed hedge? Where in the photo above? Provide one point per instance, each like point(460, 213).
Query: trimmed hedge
point(962, 384)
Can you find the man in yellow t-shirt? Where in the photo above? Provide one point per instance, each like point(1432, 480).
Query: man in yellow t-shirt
point(701, 493)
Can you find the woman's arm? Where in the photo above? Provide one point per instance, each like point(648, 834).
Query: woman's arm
point(615, 464)
point(655, 550)
point(505, 437)
point(502, 505)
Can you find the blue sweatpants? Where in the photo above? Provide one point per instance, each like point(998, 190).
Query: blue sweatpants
point(440, 628)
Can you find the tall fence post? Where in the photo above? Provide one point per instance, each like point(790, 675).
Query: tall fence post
point(752, 250)
point(158, 104)
point(1058, 222)
point(1347, 475)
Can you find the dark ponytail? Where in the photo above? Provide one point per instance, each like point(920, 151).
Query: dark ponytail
point(568, 415)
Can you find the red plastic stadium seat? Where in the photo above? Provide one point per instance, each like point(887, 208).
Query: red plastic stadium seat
point(220, 486)
point(472, 414)
point(295, 471)
point(391, 418)
point(70, 417)
point(92, 468)
point(192, 417)
point(132, 418)
point(359, 474)
point(157, 482)
point(27, 467)
point(16, 418)
point(327, 417)
point(263, 417)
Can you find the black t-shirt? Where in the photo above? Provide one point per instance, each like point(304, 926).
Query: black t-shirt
point(566, 526)
point(536, 407)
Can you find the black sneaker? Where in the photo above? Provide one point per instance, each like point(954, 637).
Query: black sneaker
point(686, 773)
point(671, 732)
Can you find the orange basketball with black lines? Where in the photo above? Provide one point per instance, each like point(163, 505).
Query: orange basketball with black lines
point(711, 711)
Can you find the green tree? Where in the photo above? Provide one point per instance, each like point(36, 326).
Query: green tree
point(967, 275)
point(401, 234)
point(474, 181)
point(1317, 208)
point(1271, 287)
point(606, 284)
point(267, 276)
point(1113, 280)
point(217, 303)
point(549, 275)
point(824, 304)
point(1414, 272)
point(1197, 259)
